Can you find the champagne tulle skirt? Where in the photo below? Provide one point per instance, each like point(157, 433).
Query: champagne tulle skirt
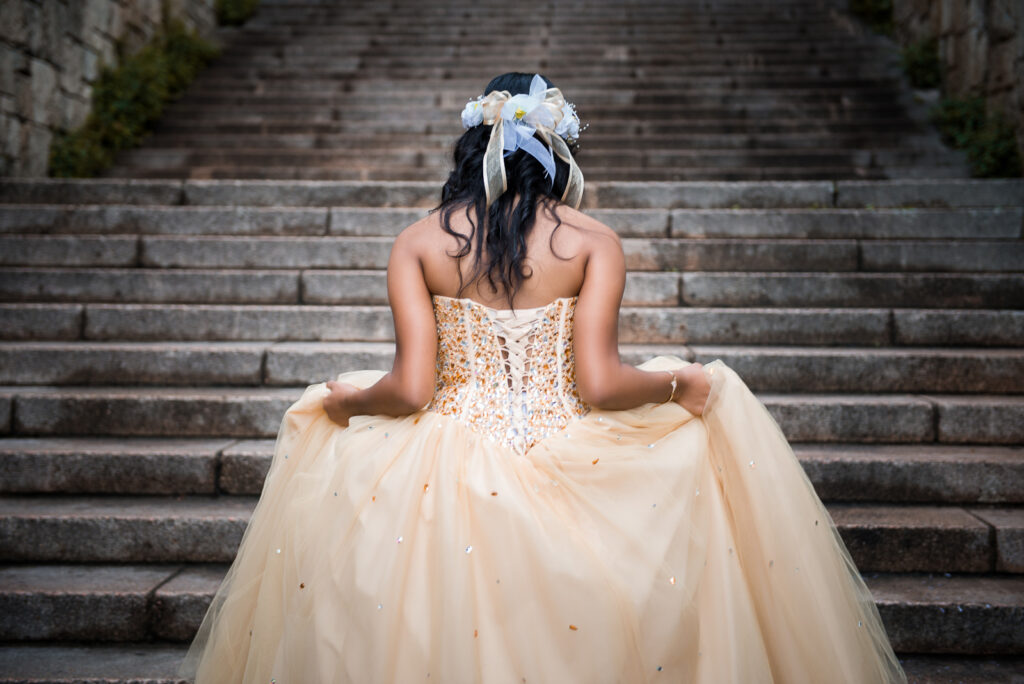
point(645, 545)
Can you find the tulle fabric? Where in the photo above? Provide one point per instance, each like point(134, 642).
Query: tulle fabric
point(645, 545)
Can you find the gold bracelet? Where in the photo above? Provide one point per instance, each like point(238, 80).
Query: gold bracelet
point(673, 395)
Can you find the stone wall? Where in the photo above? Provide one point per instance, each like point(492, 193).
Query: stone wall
point(981, 45)
point(51, 52)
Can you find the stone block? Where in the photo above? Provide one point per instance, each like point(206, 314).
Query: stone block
point(40, 321)
point(649, 223)
point(855, 289)
point(312, 362)
point(313, 193)
point(651, 289)
point(932, 256)
point(368, 221)
point(865, 327)
point(266, 252)
point(77, 602)
point(122, 529)
point(215, 322)
point(1007, 192)
point(244, 466)
point(136, 285)
point(958, 614)
point(1008, 524)
point(95, 661)
point(794, 369)
point(869, 224)
point(709, 194)
point(344, 287)
point(707, 254)
point(179, 605)
point(980, 419)
point(930, 473)
point(6, 407)
point(111, 466)
point(163, 412)
point(131, 363)
point(913, 538)
point(864, 418)
point(959, 328)
point(89, 191)
point(31, 250)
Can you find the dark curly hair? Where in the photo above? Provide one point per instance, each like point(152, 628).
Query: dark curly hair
point(500, 245)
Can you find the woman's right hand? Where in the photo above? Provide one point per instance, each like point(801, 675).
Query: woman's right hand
point(692, 388)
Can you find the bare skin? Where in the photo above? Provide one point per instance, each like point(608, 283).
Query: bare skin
point(592, 266)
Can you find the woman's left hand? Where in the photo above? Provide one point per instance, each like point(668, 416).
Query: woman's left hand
point(336, 405)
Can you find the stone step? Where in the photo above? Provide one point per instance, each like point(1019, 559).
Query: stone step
point(665, 288)
point(256, 412)
point(155, 663)
point(665, 325)
point(776, 369)
point(922, 613)
point(436, 175)
point(646, 254)
point(608, 195)
point(932, 474)
point(204, 529)
point(636, 131)
point(439, 144)
point(597, 161)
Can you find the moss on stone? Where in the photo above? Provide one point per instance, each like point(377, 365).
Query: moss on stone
point(128, 98)
point(235, 12)
point(987, 137)
point(921, 63)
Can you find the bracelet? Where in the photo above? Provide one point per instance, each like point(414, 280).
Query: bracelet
point(674, 380)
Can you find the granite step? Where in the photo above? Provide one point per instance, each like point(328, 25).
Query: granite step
point(155, 663)
point(763, 368)
point(221, 411)
point(608, 195)
point(659, 288)
point(203, 529)
point(646, 254)
point(924, 474)
point(107, 603)
point(647, 325)
point(887, 226)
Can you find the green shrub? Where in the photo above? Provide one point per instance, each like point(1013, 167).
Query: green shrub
point(921, 63)
point(876, 13)
point(128, 99)
point(235, 12)
point(988, 138)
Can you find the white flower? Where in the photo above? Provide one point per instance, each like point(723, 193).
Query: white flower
point(518, 107)
point(569, 126)
point(473, 114)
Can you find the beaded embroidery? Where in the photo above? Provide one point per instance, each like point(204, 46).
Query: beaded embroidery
point(511, 378)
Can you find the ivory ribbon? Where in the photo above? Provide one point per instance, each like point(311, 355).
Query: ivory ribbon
point(542, 119)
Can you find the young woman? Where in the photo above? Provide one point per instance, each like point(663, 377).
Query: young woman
point(512, 503)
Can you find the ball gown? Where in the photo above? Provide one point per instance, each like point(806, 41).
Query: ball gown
point(509, 532)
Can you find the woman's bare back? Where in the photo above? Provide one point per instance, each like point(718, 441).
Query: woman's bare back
point(555, 262)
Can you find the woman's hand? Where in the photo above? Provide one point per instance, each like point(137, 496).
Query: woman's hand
point(692, 388)
point(336, 404)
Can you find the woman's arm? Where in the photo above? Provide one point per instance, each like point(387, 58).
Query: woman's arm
point(410, 384)
point(602, 380)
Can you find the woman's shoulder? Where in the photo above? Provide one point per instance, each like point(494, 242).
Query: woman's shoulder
point(593, 232)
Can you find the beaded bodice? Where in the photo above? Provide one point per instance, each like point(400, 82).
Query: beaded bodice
point(510, 376)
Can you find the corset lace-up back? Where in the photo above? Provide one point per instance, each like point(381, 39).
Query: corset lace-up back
point(510, 375)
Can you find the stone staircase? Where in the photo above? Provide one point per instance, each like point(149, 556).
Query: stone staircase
point(672, 90)
point(154, 332)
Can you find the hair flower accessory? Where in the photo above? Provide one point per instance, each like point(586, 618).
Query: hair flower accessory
point(514, 120)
